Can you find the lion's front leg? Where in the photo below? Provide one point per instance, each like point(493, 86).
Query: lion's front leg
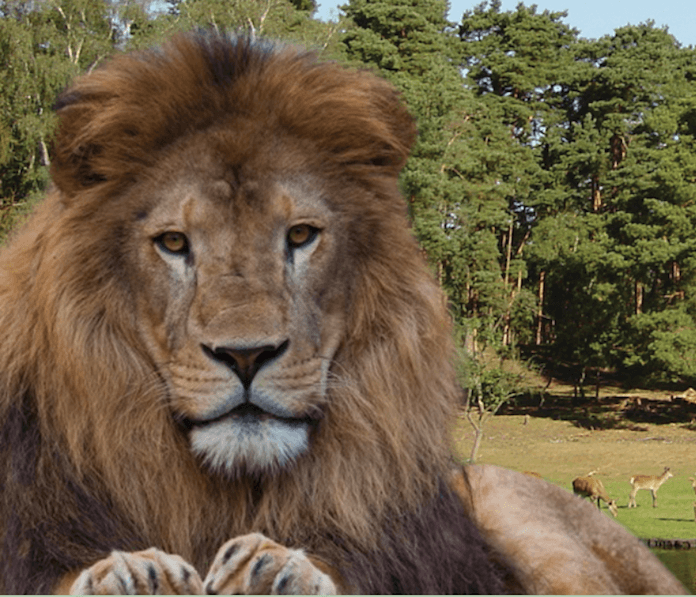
point(149, 572)
point(253, 564)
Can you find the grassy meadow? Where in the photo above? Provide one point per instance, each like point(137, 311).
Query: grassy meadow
point(618, 437)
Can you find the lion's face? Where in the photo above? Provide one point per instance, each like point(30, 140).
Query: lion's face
point(239, 298)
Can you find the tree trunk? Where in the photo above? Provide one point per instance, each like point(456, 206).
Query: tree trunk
point(540, 311)
point(675, 273)
point(506, 283)
point(478, 436)
point(596, 194)
point(45, 158)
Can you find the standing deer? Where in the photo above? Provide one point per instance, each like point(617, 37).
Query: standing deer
point(651, 482)
point(593, 488)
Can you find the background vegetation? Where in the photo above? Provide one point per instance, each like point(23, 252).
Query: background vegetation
point(615, 437)
point(552, 186)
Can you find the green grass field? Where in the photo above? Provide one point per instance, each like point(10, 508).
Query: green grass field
point(673, 518)
point(559, 451)
point(561, 442)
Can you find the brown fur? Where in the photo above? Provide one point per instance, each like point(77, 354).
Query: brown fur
point(92, 458)
point(555, 543)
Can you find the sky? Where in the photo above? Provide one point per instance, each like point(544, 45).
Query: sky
point(594, 18)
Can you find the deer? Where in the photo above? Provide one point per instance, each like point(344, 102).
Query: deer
point(593, 488)
point(651, 482)
point(693, 483)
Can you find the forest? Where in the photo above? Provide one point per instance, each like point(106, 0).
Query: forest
point(552, 187)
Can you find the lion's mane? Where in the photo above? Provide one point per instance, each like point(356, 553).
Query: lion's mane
point(90, 456)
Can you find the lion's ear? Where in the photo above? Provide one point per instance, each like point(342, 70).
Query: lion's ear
point(362, 119)
point(103, 135)
point(354, 115)
point(400, 128)
point(73, 162)
point(395, 155)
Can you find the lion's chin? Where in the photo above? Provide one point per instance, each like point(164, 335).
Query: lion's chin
point(249, 444)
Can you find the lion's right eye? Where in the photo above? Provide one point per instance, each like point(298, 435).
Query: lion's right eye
point(173, 242)
point(300, 235)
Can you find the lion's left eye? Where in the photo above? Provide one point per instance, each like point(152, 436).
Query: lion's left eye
point(301, 234)
point(173, 242)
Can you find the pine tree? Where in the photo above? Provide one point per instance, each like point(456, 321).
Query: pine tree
point(515, 61)
point(409, 42)
point(602, 223)
point(626, 163)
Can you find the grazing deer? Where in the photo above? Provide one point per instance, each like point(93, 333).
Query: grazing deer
point(593, 488)
point(651, 482)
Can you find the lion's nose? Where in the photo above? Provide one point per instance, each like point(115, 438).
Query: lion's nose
point(246, 361)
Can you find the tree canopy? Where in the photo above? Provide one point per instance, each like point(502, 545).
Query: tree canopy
point(552, 186)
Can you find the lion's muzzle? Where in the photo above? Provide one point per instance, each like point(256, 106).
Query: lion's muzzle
point(252, 428)
point(250, 439)
point(246, 361)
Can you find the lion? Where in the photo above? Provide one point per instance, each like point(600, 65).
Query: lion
point(225, 366)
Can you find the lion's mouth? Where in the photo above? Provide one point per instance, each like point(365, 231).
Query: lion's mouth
point(248, 440)
point(247, 413)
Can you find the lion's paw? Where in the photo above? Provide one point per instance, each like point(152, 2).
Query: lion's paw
point(149, 572)
point(253, 564)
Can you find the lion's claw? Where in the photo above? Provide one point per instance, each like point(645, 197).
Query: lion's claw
point(149, 572)
point(253, 564)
